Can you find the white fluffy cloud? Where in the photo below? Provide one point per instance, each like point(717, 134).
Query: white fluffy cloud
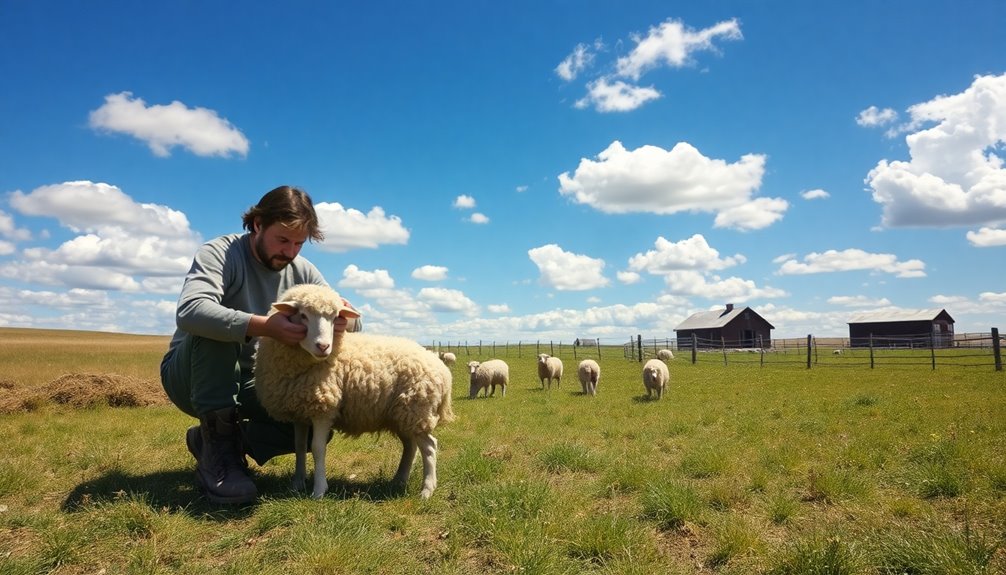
point(616, 96)
point(479, 218)
point(361, 280)
point(874, 116)
point(851, 260)
point(858, 301)
point(628, 278)
point(464, 202)
point(346, 229)
point(987, 237)
point(447, 300)
point(955, 176)
point(163, 127)
point(670, 44)
point(430, 273)
point(566, 271)
point(651, 179)
point(693, 253)
point(578, 60)
point(815, 195)
point(713, 287)
point(11, 231)
point(119, 242)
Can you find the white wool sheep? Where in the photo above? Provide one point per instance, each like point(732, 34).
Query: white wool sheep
point(488, 374)
point(589, 373)
point(448, 358)
point(836, 352)
point(655, 377)
point(665, 354)
point(549, 368)
point(353, 382)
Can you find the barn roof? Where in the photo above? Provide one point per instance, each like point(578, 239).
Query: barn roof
point(897, 315)
point(713, 319)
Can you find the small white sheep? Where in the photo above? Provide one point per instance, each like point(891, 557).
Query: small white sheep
point(549, 368)
point(488, 374)
point(665, 354)
point(836, 352)
point(448, 358)
point(655, 377)
point(589, 373)
point(353, 382)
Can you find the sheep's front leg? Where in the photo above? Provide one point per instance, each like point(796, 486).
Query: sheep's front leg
point(319, 443)
point(409, 449)
point(300, 456)
point(428, 448)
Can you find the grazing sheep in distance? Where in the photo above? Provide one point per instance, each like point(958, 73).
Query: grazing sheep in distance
point(837, 352)
point(655, 377)
point(355, 383)
point(488, 373)
point(549, 368)
point(448, 358)
point(665, 354)
point(589, 373)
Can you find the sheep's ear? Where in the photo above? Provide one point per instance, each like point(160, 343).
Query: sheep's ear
point(348, 311)
point(285, 306)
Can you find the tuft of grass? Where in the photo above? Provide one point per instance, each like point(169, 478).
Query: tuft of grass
point(475, 465)
point(567, 457)
point(671, 504)
point(733, 538)
point(943, 550)
point(834, 485)
point(817, 555)
point(864, 401)
point(782, 508)
point(703, 462)
point(602, 539)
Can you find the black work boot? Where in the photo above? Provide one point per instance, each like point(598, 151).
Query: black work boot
point(221, 469)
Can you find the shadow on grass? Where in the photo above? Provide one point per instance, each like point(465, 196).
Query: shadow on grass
point(175, 491)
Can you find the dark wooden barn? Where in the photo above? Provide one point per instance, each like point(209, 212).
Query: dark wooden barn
point(733, 327)
point(902, 328)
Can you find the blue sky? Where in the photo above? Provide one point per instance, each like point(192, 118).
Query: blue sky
point(513, 170)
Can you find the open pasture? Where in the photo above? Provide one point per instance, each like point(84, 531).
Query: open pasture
point(738, 469)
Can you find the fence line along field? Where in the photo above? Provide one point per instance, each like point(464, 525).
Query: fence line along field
point(739, 468)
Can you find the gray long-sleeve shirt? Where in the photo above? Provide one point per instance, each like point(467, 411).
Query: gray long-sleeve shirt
point(226, 285)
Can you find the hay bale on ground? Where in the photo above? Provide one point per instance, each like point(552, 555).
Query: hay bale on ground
point(84, 390)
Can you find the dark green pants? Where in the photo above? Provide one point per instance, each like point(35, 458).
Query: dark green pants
point(203, 375)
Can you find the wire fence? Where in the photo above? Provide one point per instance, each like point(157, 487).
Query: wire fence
point(960, 350)
point(933, 350)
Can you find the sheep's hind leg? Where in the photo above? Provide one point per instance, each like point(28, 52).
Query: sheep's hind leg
point(409, 448)
point(300, 456)
point(428, 447)
point(319, 443)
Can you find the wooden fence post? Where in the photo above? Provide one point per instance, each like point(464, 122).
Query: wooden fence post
point(808, 351)
point(695, 347)
point(639, 346)
point(871, 351)
point(932, 348)
point(995, 349)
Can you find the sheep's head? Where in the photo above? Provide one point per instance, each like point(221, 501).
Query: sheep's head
point(315, 307)
point(542, 358)
point(472, 366)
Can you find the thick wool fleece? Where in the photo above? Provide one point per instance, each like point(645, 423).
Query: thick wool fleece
point(369, 383)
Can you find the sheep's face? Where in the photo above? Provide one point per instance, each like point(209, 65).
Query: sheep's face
point(472, 366)
point(320, 325)
point(542, 358)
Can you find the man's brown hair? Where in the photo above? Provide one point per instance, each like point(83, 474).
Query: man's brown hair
point(286, 205)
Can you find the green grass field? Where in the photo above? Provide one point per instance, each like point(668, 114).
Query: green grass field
point(739, 469)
